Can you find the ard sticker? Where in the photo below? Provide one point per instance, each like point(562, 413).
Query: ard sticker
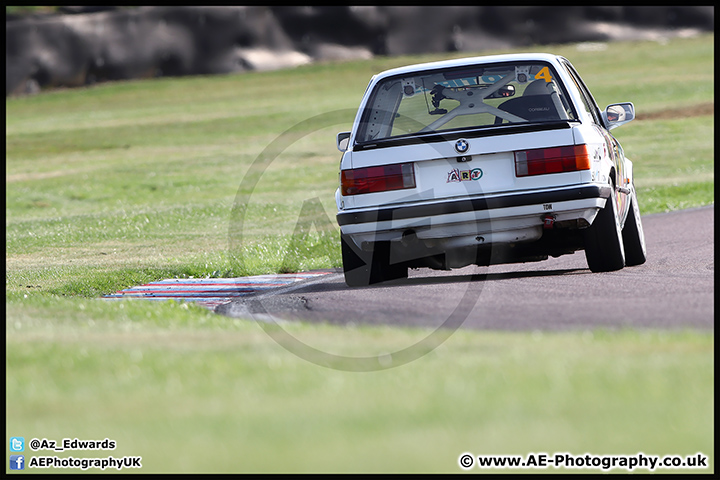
point(457, 175)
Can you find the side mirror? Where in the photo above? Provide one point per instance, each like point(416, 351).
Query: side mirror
point(618, 114)
point(343, 140)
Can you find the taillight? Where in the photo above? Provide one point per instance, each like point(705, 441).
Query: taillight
point(540, 161)
point(377, 179)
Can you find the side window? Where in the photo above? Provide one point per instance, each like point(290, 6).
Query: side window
point(587, 99)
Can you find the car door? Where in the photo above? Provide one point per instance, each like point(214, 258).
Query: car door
point(614, 149)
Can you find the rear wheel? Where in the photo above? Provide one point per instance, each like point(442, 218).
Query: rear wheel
point(604, 249)
point(366, 268)
point(633, 236)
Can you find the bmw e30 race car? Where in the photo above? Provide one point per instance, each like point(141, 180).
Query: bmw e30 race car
point(484, 160)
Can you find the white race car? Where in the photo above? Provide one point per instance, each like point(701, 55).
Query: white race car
point(484, 160)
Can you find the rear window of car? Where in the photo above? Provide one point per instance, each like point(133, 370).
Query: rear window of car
point(477, 96)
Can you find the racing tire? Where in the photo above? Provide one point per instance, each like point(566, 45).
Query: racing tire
point(367, 268)
point(604, 248)
point(633, 235)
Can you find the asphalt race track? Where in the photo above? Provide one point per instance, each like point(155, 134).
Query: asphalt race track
point(674, 289)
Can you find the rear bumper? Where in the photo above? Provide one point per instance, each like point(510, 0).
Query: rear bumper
point(501, 218)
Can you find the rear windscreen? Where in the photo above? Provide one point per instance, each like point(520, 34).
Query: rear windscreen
point(468, 97)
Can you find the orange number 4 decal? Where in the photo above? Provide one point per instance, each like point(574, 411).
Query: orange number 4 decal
point(544, 74)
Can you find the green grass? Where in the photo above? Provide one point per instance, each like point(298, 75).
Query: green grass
point(191, 391)
point(124, 183)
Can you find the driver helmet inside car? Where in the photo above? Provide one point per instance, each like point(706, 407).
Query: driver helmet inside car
point(616, 113)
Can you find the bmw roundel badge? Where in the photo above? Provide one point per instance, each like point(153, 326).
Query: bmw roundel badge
point(461, 146)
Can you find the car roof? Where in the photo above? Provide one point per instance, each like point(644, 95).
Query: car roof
point(459, 62)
